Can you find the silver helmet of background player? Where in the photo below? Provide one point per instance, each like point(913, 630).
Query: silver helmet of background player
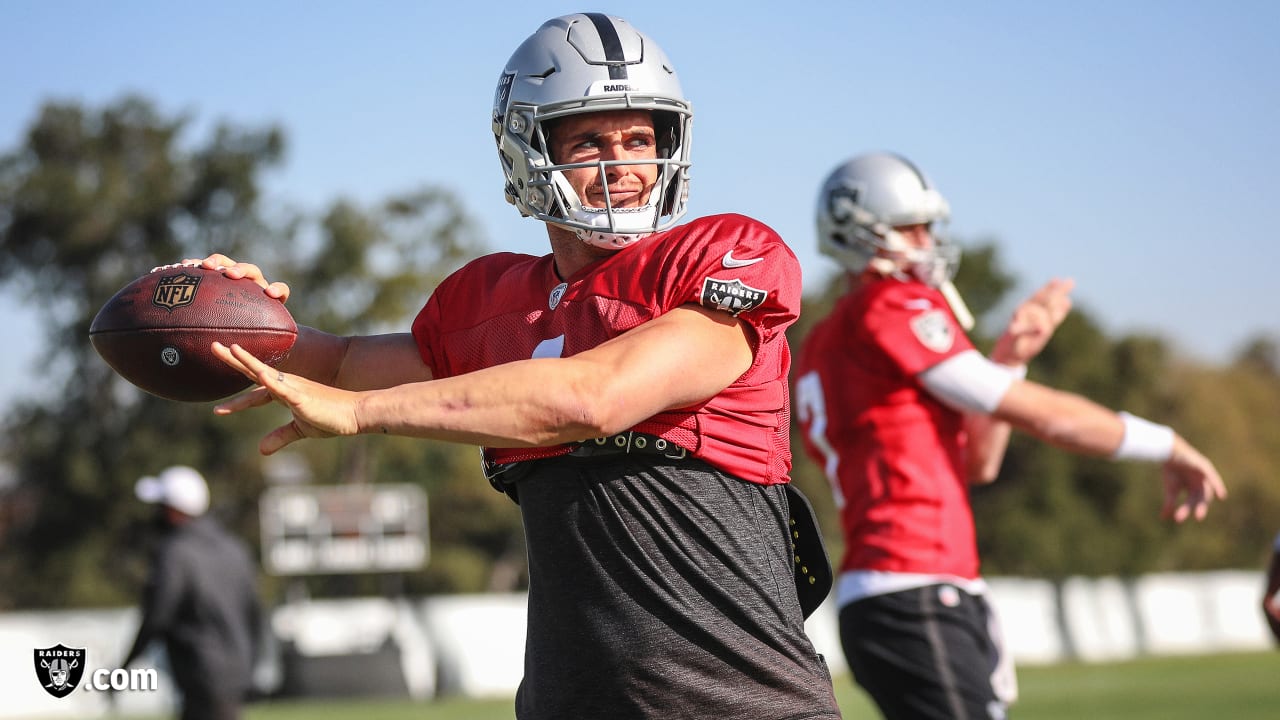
point(863, 200)
point(584, 63)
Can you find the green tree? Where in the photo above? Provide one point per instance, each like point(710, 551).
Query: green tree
point(1261, 353)
point(91, 199)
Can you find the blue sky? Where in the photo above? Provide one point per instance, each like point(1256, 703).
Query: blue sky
point(1129, 145)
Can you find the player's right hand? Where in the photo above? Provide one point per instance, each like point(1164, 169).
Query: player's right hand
point(1033, 323)
point(1191, 483)
point(235, 270)
point(319, 410)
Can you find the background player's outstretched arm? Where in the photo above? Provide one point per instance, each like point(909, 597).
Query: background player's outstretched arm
point(1030, 328)
point(1078, 424)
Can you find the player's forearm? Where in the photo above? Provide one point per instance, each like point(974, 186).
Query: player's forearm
point(148, 630)
point(988, 441)
point(522, 404)
point(681, 358)
point(315, 355)
point(1062, 419)
point(140, 642)
point(363, 362)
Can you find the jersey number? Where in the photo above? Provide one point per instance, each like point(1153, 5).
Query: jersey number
point(811, 408)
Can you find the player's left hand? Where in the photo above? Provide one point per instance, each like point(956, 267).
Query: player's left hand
point(319, 410)
point(1033, 323)
point(236, 270)
point(1191, 483)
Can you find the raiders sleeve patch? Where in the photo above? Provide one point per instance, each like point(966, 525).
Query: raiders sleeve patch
point(731, 296)
point(933, 330)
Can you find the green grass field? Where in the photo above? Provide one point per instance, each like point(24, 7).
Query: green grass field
point(1217, 687)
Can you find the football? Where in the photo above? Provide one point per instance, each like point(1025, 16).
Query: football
point(157, 330)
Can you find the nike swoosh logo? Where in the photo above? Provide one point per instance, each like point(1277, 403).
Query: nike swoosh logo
point(730, 261)
point(918, 304)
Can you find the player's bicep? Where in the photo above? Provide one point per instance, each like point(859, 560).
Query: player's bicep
point(681, 358)
point(968, 382)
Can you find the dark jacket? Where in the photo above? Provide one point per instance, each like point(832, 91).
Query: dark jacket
point(201, 600)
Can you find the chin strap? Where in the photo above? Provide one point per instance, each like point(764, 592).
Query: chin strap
point(952, 296)
point(617, 227)
point(607, 240)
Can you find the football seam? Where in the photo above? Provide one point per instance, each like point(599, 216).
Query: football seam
point(201, 328)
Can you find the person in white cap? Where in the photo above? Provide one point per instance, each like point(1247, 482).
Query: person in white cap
point(200, 598)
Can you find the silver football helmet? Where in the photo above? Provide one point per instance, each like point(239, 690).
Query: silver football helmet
point(861, 203)
point(584, 63)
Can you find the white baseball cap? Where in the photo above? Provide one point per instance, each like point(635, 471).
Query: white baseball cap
point(178, 487)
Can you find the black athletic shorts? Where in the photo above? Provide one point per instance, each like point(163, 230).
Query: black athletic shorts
point(928, 653)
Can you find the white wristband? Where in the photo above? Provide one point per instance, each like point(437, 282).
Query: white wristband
point(1144, 440)
point(1017, 372)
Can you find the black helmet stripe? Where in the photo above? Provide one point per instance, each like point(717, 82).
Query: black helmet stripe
point(919, 175)
point(612, 45)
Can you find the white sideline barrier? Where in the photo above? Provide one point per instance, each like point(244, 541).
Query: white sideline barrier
point(473, 645)
point(480, 641)
point(1235, 602)
point(360, 626)
point(823, 629)
point(1173, 610)
point(1028, 616)
point(1099, 618)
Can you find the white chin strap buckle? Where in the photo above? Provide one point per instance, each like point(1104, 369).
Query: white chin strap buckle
point(610, 241)
point(629, 225)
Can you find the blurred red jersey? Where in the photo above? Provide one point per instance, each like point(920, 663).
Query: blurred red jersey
point(506, 307)
point(894, 454)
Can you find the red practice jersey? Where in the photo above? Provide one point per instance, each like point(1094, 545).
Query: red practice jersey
point(894, 454)
point(506, 307)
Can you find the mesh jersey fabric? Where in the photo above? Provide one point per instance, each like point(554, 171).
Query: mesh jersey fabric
point(896, 452)
point(506, 306)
